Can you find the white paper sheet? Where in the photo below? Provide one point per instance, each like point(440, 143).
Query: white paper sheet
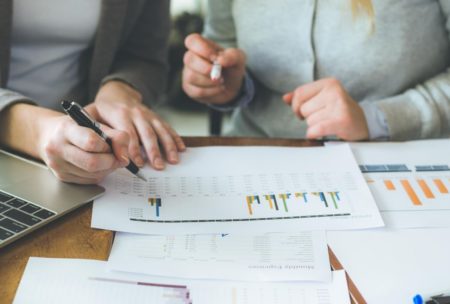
point(235, 189)
point(392, 266)
point(48, 281)
point(418, 198)
point(295, 256)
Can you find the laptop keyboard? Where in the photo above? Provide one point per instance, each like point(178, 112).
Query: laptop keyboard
point(17, 215)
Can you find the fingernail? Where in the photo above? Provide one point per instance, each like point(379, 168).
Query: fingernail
point(159, 163)
point(173, 156)
point(125, 160)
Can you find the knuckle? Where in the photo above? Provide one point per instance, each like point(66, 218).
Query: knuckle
point(91, 164)
point(199, 91)
point(190, 76)
point(154, 150)
point(90, 142)
point(187, 58)
point(51, 148)
point(191, 38)
point(123, 136)
point(53, 164)
point(332, 81)
point(60, 176)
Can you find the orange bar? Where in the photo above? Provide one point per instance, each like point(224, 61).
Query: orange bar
point(426, 190)
point(410, 191)
point(389, 184)
point(370, 181)
point(440, 186)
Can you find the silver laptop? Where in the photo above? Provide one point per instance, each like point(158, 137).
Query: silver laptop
point(31, 196)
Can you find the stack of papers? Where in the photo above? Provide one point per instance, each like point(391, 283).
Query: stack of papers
point(86, 281)
point(226, 225)
point(248, 225)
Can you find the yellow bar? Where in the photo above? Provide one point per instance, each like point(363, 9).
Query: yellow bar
point(410, 191)
point(389, 184)
point(426, 190)
point(270, 201)
point(370, 181)
point(249, 204)
point(440, 186)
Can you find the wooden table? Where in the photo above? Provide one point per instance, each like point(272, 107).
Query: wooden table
point(72, 236)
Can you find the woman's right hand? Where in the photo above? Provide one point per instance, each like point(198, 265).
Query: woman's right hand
point(79, 155)
point(198, 62)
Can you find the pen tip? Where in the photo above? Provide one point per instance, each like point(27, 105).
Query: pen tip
point(141, 177)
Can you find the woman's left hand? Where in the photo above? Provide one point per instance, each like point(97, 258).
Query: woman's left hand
point(120, 106)
point(328, 110)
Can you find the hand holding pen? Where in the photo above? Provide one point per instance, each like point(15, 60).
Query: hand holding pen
point(212, 74)
point(82, 118)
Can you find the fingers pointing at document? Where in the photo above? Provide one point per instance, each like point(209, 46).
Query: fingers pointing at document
point(199, 60)
point(328, 110)
point(120, 106)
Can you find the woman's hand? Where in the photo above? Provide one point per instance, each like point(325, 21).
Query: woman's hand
point(79, 155)
point(198, 62)
point(120, 106)
point(328, 110)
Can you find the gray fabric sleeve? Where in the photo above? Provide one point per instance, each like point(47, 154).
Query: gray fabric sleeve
point(142, 60)
point(376, 121)
point(422, 111)
point(8, 98)
point(219, 25)
point(244, 98)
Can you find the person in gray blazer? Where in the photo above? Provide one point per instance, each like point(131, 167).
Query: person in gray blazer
point(109, 56)
point(353, 69)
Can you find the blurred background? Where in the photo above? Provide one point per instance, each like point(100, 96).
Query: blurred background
point(189, 118)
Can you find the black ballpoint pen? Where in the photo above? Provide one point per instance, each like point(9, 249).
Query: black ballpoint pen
point(82, 118)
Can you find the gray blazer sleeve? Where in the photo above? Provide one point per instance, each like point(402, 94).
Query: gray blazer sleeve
point(142, 59)
point(422, 111)
point(219, 25)
point(8, 98)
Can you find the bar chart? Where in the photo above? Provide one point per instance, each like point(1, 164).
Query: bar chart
point(399, 187)
point(298, 189)
point(281, 202)
point(155, 202)
point(294, 195)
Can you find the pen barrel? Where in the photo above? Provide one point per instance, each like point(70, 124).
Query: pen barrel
point(132, 167)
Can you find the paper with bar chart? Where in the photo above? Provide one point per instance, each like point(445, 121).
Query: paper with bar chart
point(293, 256)
point(241, 189)
point(410, 181)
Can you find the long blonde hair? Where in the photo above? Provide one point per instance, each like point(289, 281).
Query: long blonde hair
point(360, 7)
